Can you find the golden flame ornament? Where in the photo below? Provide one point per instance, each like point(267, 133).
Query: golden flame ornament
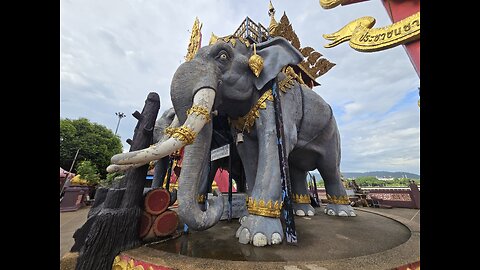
point(255, 62)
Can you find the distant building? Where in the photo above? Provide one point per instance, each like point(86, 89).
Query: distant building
point(385, 178)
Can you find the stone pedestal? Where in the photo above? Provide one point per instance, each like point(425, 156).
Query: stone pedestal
point(239, 205)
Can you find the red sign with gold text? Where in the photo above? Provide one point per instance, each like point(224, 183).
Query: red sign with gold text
point(398, 10)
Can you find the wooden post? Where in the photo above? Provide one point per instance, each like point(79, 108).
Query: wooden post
point(116, 227)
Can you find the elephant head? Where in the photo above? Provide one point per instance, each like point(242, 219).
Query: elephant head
point(219, 78)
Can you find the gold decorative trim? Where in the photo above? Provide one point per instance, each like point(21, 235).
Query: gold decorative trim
point(301, 198)
point(198, 110)
point(230, 38)
point(288, 81)
point(201, 198)
point(246, 122)
point(195, 40)
point(313, 66)
point(364, 38)
point(213, 39)
point(255, 62)
point(328, 4)
point(169, 131)
point(338, 200)
point(119, 264)
point(260, 208)
point(183, 133)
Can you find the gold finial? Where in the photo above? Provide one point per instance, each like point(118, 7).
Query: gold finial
point(255, 62)
point(273, 23)
point(213, 39)
point(195, 40)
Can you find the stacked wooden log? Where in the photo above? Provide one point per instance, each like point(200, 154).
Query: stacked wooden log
point(157, 220)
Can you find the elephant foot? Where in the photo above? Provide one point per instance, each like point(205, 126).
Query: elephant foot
point(242, 219)
point(302, 209)
point(341, 210)
point(260, 231)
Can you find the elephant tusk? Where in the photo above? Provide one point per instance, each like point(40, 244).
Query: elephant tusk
point(180, 137)
point(121, 168)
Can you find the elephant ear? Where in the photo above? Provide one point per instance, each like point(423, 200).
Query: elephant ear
point(276, 53)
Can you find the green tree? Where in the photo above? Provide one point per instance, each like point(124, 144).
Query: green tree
point(111, 179)
point(368, 181)
point(96, 142)
point(88, 171)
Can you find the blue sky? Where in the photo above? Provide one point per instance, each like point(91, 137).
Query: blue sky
point(114, 52)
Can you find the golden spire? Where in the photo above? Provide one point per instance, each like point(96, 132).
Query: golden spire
point(273, 23)
point(195, 40)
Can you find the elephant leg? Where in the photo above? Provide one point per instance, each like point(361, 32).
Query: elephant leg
point(338, 202)
point(262, 226)
point(206, 184)
point(159, 172)
point(300, 194)
point(248, 152)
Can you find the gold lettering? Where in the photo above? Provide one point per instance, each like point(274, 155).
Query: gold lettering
point(363, 37)
point(399, 31)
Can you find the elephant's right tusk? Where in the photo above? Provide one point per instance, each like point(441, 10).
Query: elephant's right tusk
point(121, 168)
point(181, 136)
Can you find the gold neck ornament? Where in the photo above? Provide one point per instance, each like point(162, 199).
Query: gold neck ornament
point(247, 121)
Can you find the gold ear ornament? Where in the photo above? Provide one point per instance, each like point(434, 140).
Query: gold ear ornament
point(255, 62)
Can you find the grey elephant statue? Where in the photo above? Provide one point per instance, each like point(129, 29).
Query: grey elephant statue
point(221, 135)
point(222, 79)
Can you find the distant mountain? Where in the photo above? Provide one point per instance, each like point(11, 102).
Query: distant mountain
point(383, 174)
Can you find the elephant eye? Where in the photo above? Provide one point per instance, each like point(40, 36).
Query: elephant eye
point(222, 56)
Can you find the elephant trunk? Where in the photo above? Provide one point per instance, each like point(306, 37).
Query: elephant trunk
point(194, 170)
point(191, 76)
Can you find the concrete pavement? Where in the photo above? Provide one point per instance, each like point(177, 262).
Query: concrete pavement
point(393, 252)
point(69, 223)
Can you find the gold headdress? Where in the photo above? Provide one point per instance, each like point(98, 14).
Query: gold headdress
point(313, 66)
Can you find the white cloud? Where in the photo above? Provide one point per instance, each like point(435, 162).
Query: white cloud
point(114, 52)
